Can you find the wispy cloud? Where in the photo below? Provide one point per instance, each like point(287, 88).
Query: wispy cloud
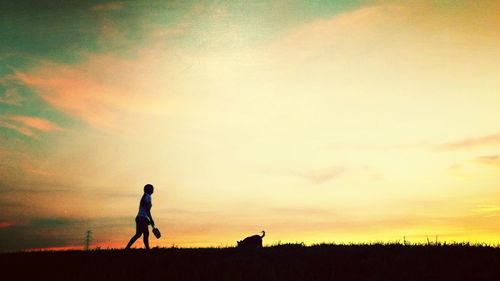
point(20, 129)
point(28, 125)
point(488, 209)
point(316, 37)
point(468, 143)
point(105, 89)
point(5, 224)
point(314, 176)
point(321, 176)
point(11, 97)
point(35, 123)
point(40, 232)
point(111, 6)
point(493, 160)
point(48, 232)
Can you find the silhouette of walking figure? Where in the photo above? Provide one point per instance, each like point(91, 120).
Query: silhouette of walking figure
point(143, 218)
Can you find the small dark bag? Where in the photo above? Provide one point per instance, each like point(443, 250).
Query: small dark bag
point(156, 232)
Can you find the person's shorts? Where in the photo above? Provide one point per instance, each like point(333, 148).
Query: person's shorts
point(142, 223)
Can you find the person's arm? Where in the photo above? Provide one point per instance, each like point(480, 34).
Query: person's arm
point(151, 218)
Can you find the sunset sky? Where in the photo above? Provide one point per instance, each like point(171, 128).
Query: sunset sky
point(334, 121)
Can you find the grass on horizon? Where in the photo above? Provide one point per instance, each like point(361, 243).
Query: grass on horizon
point(290, 261)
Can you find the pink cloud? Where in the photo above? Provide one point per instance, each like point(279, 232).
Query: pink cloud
point(109, 31)
point(28, 125)
point(106, 89)
point(111, 6)
point(394, 27)
point(20, 129)
point(101, 245)
point(11, 97)
point(471, 142)
point(35, 123)
point(72, 91)
point(6, 224)
point(322, 176)
point(493, 160)
point(314, 38)
point(56, 248)
point(37, 171)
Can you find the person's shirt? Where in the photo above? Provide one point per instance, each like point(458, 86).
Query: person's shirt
point(145, 206)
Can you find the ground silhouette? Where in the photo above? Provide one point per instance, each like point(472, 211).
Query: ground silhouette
point(285, 262)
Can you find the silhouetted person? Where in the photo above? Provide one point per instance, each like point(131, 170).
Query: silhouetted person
point(143, 218)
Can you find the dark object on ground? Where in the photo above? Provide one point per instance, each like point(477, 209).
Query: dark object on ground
point(157, 233)
point(286, 262)
point(252, 241)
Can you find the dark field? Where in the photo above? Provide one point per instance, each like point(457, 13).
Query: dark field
point(285, 262)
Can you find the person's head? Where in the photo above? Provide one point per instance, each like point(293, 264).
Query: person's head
point(148, 188)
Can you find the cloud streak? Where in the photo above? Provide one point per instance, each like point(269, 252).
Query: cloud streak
point(22, 130)
point(11, 97)
point(5, 224)
point(28, 125)
point(321, 176)
point(104, 90)
point(37, 123)
point(39, 233)
point(111, 6)
point(491, 160)
point(470, 143)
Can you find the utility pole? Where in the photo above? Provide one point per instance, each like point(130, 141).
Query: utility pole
point(86, 243)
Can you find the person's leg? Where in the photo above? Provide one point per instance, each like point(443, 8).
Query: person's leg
point(144, 229)
point(146, 238)
point(136, 236)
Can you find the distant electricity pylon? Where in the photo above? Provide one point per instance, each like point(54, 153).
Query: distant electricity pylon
point(86, 243)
